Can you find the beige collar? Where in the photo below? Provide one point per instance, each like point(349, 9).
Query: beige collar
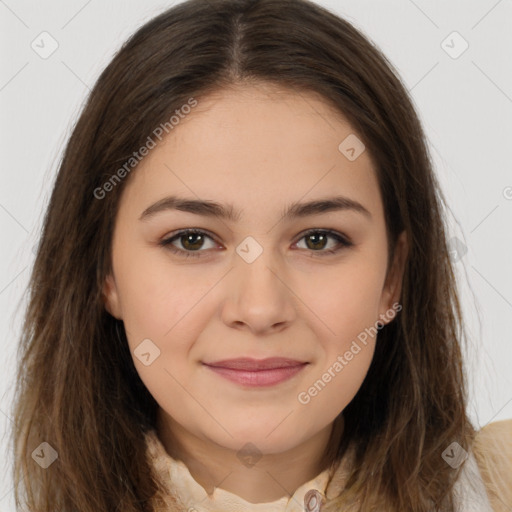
point(493, 449)
point(309, 497)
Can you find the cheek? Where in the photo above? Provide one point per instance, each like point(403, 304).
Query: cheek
point(162, 314)
point(342, 367)
point(345, 301)
point(347, 306)
point(158, 297)
point(165, 309)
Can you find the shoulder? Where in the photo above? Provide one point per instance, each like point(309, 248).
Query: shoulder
point(492, 448)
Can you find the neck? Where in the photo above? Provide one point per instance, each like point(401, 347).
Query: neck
point(262, 480)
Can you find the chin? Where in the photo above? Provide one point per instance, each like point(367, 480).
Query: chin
point(264, 440)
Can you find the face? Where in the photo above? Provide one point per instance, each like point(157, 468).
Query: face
point(258, 284)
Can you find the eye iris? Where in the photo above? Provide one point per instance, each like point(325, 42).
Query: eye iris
point(316, 237)
point(191, 236)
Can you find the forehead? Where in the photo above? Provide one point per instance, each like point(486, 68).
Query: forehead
point(258, 145)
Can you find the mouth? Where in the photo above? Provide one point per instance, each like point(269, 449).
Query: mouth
point(253, 372)
point(251, 364)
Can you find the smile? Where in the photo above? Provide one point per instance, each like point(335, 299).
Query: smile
point(264, 377)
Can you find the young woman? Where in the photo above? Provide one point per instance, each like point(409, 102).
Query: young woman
point(243, 298)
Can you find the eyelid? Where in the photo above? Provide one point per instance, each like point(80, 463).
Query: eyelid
point(343, 240)
point(166, 242)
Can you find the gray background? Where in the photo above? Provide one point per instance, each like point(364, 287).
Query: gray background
point(465, 104)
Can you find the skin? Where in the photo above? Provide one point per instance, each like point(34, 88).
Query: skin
point(260, 149)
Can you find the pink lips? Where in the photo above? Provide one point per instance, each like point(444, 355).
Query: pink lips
point(257, 372)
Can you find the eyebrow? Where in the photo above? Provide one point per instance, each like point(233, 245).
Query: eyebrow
point(212, 209)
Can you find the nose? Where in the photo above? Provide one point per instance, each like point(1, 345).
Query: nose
point(259, 296)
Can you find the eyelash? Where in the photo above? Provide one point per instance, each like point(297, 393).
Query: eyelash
point(167, 243)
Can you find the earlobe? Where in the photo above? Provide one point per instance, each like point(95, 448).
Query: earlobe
point(111, 298)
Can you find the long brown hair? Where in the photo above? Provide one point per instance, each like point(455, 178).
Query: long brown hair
point(78, 389)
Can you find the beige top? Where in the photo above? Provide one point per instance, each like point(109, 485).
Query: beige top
point(470, 488)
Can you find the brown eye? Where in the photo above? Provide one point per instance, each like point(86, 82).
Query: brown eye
point(317, 241)
point(191, 241)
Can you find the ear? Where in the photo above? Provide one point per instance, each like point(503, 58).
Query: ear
point(111, 297)
point(393, 285)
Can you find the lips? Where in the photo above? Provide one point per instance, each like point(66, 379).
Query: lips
point(250, 364)
point(255, 373)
